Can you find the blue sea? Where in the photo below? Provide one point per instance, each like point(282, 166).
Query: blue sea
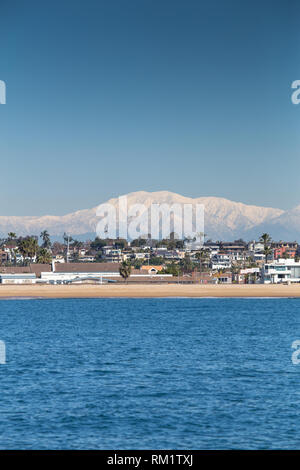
point(149, 374)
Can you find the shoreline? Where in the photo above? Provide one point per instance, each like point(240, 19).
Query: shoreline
point(149, 291)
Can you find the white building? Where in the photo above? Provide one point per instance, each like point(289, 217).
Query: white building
point(281, 270)
point(141, 255)
point(256, 247)
point(22, 278)
point(100, 277)
point(111, 254)
point(220, 261)
point(66, 277)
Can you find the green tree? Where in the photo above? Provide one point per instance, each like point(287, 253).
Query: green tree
point(28, 247)
point(44, 256)
point(125, 270)
point(154, 260)
point(12, 236)
point(202, 257)
point(138, 242)
point(186, 264)
point(266, 240)
point(137, 263)
point(179, 244)
point(46, 239)
point(98, 244)
point(120, 243)
point(173, 269)
point(235, 270)
point(67, 238)
point(77, 245)
point(267, 251)
point(285, 255)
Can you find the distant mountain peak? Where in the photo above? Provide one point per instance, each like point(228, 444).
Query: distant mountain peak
point(224, 219)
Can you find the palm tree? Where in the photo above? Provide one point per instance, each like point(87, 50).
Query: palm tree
point(46, 239)
point(186, 263)
point(285, 255)
point(125, 270)
point(67, 238)
point(43, 256)
point(201, 236)
point(266, 240)
point(267, 251)
point(77, 245)
point(235, 270)
point(11, 235)
point(202, 257)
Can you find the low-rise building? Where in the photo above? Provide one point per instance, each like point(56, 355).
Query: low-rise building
point(22, 278)
point(97, 272)
point(248, 276)
point(111, 255)
point(281, 271)
point(222, 278)
point(220, 261)
point(256, 247)
point(151, 270)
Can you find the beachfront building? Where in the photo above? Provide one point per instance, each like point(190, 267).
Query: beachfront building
point(20, 278)
point(70, 277)
point(96, 272)
point(222, 278)
point(281, 271)
point(151, 270)
point(248, 276)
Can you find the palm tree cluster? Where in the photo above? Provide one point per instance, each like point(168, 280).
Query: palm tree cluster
point(29, 248)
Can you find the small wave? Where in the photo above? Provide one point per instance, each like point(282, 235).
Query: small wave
point(21, 298)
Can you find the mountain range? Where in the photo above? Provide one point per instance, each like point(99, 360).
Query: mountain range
point(224, 219)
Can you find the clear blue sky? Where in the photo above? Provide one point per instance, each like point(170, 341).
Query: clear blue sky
point(109, 97)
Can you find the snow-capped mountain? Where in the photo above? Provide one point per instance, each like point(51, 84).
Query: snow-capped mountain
point(224, 219)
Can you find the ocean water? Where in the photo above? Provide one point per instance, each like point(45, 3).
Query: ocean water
point(149, 373)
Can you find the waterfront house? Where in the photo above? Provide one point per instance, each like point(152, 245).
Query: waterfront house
point(152, 270)
point(281, 271)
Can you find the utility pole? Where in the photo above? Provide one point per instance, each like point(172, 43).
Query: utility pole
point(68, 246)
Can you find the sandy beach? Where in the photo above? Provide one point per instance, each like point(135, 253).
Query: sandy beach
point(136, 291)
